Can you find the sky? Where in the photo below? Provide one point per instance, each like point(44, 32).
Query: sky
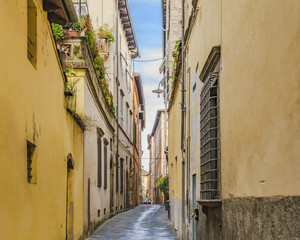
point(147, 22)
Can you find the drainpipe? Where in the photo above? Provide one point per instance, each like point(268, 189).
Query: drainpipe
point(117, 56)
point(182, 122)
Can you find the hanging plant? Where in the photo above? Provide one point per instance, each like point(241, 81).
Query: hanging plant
point(57, 32)
point(107, 32)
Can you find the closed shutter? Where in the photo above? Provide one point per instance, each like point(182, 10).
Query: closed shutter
point(99, 162)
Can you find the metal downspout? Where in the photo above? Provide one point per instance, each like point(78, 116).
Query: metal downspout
point(182, 121)
point(117, 110)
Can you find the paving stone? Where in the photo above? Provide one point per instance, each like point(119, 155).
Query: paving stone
point(144, 222)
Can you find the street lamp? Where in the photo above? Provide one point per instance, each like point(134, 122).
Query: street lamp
point(158, 90)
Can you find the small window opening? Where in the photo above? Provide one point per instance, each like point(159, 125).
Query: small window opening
point(99, 213)
point(31, 162)
point(32, 32)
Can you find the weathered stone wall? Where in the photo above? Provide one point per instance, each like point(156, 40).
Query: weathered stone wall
point(209, 224)
point(267, 218)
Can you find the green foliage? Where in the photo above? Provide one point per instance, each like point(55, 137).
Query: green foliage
point(108, 33)
point(163, 185)
point(98, 63)
point(175, 53)
point(73, 26)
point(76, 50)
point(57, 32)
point(71, 72)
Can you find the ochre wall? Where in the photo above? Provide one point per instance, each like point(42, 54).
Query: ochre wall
point(32, 107)
point(260, 98)
point(174, 147)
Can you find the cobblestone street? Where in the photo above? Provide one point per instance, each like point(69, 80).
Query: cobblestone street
point(144, 222)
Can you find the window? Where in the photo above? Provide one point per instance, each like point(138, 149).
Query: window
point(105, 163)
point(117, 174)
point(32, 33)
point(210, 138)
point(121, 171)
point(130, 125)
point(129, 82)
point(130, 164)
point(121, 108)
point(100, 134)
point(31, 162)
point(120, 53)
point(127, 119)
point(134, 132)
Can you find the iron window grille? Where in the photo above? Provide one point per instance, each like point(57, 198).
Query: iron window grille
point(117, 174)
point(30, 151)
point(122, 175)
point(210, 138)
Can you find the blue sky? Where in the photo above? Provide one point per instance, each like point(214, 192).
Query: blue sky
point(146, 17)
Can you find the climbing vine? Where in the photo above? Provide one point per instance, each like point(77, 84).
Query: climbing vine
point(98, 63)
point(108, 33)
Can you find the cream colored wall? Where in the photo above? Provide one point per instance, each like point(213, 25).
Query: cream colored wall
point(208, 26)
point(99, 197)
point(174, 148)
point(260, 96)
point(102, 14)
point(32, 106)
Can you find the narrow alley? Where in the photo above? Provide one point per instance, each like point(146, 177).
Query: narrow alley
point(150, 120)
point(143, 222)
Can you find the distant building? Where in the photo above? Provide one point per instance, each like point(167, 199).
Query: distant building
point(137, 126)
point(158, 161)
point(145, 183)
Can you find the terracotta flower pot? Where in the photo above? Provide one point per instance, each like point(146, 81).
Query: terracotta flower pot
point(72, 33)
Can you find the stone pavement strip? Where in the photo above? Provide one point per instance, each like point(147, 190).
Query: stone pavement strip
point(145, 222)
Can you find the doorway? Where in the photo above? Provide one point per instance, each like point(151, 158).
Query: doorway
point(70, 198)
point(111, 185)
point(194, 206)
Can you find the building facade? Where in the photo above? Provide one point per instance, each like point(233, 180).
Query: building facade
point(158, 161)
point(237, 116)
point(41, 143)
point(75, 126)
point(145, 183)
point(138, 125)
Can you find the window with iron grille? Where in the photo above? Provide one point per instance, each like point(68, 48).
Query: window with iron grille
point(31, 169)
point(105, 163)
point(117, 174)
point(210, 138)
point(99, 147)
point(134, 132)
point(122, 175)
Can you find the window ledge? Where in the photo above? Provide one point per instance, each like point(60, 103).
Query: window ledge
point(210, 202)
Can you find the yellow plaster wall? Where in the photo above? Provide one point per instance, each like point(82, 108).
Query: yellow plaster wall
point(205, 34)
point(32, 107)
point(174, 148)
point(260, 98)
